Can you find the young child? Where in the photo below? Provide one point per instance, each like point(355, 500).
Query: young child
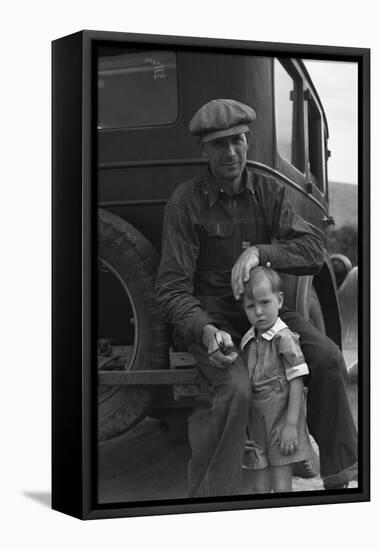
point(277, 433)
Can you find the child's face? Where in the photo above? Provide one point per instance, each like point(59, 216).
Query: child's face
point(262, 310)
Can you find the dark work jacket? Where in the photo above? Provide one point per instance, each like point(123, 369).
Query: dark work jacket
point(206, 230)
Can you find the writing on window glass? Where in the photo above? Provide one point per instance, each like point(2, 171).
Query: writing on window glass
point(136, 88)
point(159, 70)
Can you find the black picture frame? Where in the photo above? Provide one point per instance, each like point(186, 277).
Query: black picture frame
point(74, 408)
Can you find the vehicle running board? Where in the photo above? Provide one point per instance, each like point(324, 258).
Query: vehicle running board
point(183, 376)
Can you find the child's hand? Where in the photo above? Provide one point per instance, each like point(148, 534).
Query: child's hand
point(288, 439)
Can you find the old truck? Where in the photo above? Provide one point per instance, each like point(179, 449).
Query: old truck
point(145, 100)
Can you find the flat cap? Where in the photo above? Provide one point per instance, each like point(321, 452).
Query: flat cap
point(221, 117)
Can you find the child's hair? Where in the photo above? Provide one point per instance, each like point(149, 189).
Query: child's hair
point(257, 275)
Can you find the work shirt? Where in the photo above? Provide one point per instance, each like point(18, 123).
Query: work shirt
point(275, 353)
point(205, 231)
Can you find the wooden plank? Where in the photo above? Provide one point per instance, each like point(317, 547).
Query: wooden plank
point(148, 378)
point(181, 359)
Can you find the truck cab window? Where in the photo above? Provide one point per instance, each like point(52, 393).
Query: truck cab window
point(136, 88)
point(315, 144)
point(289, 140)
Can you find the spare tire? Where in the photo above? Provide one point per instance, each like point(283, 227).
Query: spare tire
point(128, 317)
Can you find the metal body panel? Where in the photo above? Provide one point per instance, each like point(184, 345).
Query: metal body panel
point(139, 168)
point(148, 163)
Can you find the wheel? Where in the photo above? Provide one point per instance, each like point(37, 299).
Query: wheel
point(341, 266)
point(315, 314)
point(131, 332)
point(348, 301)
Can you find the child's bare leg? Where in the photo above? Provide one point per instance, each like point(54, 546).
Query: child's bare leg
point(282, 478)
point(261, 480)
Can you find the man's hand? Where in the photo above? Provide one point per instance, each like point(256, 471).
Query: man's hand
point(216, 340)
point(241, 270)
point(288, 439)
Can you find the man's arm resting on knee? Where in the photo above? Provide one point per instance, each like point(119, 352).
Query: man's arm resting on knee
point(296, 246)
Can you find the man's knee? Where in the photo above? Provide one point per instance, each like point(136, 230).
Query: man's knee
point(322, 355)
point(327, 361)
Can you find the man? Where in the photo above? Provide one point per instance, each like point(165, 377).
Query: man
point(219, 226)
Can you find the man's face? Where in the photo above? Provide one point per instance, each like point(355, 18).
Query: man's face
point(227, 156)
point(263, 308)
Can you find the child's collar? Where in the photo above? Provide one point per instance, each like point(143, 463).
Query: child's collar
point(268, 335)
